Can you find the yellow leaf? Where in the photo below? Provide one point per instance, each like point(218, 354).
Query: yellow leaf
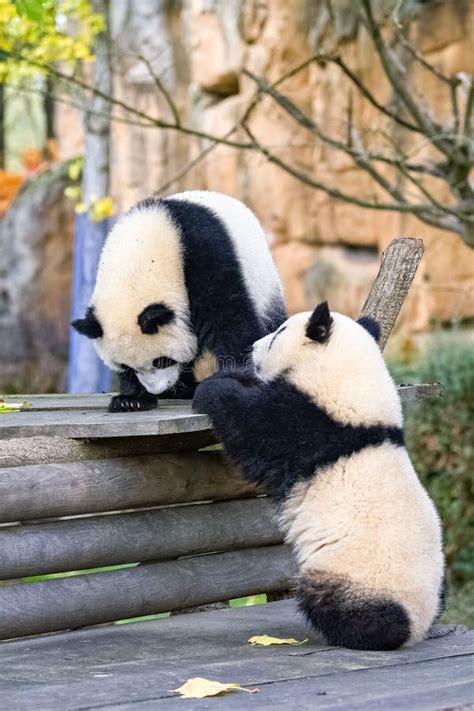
point(13, 406)
point(81, 207)
point(198, 688)
point(265, 641)
point(73, 192)
point(75, 169)
point(101, 209)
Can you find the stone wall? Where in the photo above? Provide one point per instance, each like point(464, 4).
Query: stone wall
point(323, 248)
point(36, 242)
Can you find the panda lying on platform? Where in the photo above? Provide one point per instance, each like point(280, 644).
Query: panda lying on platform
point(319, 424)
point(185, 285)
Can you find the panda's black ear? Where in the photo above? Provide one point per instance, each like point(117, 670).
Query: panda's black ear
point(89, 325)
point(370, 325)
point(154, 316)
point(319, 325)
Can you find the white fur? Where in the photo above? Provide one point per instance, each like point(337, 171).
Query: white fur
point(366, 517)
point(347, 376)
point(250, 244)
point(158, 380)
point(142, 263)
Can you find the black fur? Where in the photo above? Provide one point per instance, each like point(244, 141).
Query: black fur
point(154, 316)
point(89, 325)
point(132, 396)
point(370, 325)
point(320, 322)
point(276, 433)
point(349, 617)
point(223, 316)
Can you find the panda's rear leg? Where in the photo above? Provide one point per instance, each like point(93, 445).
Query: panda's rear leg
point(132, 396)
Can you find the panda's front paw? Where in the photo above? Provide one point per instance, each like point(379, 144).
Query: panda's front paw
point(132, 403)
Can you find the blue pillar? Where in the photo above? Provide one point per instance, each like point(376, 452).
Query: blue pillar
point(87, 373)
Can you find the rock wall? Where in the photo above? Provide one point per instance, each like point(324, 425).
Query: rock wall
point(36, 241)
point(323, 248)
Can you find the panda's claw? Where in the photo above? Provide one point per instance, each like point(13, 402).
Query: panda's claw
point(126, 403)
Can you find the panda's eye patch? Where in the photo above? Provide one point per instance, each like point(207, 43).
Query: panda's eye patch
point(280, 330)
point(164, 362)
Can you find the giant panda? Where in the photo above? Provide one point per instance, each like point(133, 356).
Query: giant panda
point(319, 424)
point(184, 287)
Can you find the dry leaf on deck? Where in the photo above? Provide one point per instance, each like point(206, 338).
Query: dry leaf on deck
point(198, 688)
point(13, 406)
point(265, 641)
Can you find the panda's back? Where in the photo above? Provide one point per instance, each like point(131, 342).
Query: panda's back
point(228, 269)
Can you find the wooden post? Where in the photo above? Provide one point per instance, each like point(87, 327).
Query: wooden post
point(397, 270)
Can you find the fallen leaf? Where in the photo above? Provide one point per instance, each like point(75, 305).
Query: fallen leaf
point(198, 688)
point(13, 406)
point(265, 641)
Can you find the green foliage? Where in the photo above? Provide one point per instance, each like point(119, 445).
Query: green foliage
point(440, 437)
point(37, 33)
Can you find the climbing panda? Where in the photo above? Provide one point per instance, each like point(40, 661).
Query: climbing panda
point(184, 287)
point(319, 424)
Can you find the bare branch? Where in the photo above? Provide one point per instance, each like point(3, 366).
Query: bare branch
point(162, 89)
point(403, 39)
point(130, 109)
point(469, 108)
point(423, 212)
point(399, 85)
point(371, 98)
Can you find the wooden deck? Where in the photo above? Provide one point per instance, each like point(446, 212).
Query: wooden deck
point(133, 667)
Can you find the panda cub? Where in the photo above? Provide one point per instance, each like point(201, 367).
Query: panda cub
point(319, 424)
point(184, 287)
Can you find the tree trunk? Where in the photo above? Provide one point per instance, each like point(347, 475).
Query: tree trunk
point(87, 374)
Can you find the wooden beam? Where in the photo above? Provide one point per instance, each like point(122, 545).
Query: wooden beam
point(397, 270)
point(162, 534)
point(84, 600)
point(53, 490)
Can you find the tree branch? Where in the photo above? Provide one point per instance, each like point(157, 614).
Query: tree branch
point(422, 211)
point(140, 114)
point(162, 89)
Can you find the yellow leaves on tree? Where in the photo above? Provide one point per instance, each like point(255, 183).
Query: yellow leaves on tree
point(199, 688)
point(34, 34)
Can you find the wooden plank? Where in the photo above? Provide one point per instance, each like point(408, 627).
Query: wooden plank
point(398, 267)
point(92, 401)
point(433, 685)
point(168, 419)
point(138, 664)
point(82, 600)
point(162, 534)
point(81, 424)
point(47, 491)
point(37, 450)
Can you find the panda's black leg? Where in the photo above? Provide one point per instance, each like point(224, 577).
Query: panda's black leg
point(132, 396)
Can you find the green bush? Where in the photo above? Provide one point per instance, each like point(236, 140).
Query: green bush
point(439, 434)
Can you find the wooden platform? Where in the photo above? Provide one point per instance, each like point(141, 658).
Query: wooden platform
point(86, 416)
point(133, 667)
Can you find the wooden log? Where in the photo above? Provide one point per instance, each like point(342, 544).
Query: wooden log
point(397, 270)
point(162, 534)
point(47, 491)
point(83, 600)
point(36, 450)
